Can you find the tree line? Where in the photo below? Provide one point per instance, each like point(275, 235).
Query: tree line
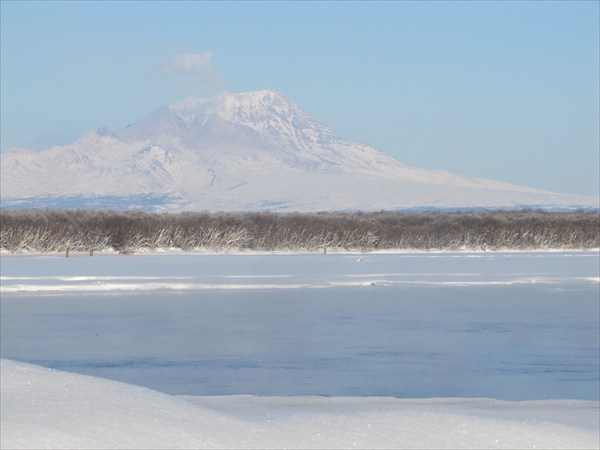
point(90, 230)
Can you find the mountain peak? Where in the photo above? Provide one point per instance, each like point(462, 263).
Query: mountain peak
point(265, 111)
point(227, 101)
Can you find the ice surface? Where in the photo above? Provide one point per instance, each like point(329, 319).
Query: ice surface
point(44, 408)
point(511, 326)
point(179, 272)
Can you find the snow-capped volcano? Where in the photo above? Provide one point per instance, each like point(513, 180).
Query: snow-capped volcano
point(247, 151)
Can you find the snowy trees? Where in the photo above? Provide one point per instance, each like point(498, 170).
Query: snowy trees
point(57, 231)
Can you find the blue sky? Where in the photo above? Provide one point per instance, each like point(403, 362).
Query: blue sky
point(505, 90)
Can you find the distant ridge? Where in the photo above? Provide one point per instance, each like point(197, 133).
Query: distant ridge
point(243, 152)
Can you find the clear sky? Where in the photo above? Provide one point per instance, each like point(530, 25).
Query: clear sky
point(506, 90)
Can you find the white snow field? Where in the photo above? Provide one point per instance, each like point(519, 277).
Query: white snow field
point(45, 408)
point(391, 350)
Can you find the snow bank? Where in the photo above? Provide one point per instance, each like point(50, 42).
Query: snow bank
point(44, 408)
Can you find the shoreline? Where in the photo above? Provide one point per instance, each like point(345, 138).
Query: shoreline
point(237, 252)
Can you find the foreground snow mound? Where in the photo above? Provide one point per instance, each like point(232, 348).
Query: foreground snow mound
point(44, 408)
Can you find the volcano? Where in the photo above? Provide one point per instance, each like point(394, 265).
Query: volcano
point(243, 152)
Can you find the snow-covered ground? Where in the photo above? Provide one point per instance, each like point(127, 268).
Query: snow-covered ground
point(44, 408)
point(406, 350)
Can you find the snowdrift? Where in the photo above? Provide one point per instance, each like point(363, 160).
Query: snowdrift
point(44, 408)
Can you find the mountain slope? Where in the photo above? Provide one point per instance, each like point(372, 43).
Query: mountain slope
point(247, 151)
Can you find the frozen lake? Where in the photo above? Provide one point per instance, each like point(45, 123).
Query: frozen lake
point(512, 326)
